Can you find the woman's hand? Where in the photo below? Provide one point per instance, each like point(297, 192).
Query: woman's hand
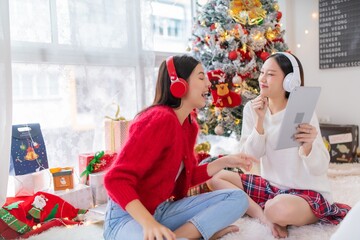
point(154, 231)
point(260, 105)
point(240, 160)
point(306, 134)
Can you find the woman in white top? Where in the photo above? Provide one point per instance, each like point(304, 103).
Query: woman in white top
point(293, 188)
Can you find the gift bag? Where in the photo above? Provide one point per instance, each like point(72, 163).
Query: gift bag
point(28, 152)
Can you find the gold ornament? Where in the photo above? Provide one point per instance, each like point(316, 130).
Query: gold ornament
point(247, 11)
point(270, 34)
point(205, 128)
point(237, 121)
point(203, 147)
point(276, 7)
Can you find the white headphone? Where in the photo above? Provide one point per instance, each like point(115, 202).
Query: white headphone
point(293, 79)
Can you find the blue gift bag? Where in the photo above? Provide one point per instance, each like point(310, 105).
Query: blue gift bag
point(28, 152)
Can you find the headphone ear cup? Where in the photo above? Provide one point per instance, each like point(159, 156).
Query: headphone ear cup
point(290, 82)
point(179, 88)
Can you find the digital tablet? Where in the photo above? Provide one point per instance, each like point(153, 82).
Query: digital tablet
point(299, 109)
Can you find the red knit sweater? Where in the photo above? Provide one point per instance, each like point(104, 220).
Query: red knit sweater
point(147, 165)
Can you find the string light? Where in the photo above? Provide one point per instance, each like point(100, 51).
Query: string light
point(298, 45)
point(314, 14)
point(306, 31)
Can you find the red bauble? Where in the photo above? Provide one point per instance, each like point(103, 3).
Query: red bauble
point(279, 15)
point(264, 55)
point(232, 55)
point(212, 27)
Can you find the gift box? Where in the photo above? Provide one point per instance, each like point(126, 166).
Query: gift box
point(80, 196)
point(29, 184)
point(28, 152)
point(341, 141)
point(96, 183)
point(94, 162)
point(116, 133)
point(63, 178)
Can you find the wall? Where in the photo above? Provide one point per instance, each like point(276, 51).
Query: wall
point(340, 97)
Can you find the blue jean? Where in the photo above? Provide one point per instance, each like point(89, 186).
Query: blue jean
point(209, 212)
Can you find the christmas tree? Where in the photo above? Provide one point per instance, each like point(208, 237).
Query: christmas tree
point(232, 39)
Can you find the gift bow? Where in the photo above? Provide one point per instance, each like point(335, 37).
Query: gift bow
point(90, 167)
point(117, 114)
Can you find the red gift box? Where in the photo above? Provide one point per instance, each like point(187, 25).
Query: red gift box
point(94, 162)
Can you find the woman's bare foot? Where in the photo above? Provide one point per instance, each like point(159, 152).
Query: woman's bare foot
point(278, 231)
point(224, 231)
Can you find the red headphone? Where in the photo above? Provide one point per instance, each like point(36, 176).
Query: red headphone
point(179, 86)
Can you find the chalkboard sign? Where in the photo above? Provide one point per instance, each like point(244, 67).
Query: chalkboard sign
point(339, 33)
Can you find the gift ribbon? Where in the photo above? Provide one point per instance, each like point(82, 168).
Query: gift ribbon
point(112, 136)
point(117, 114)
point(90, 167)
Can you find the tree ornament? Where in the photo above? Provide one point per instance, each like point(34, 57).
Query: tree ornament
point(264, 55)
point(278, 16)
point(219, 130)
point(221, 91)
point(276, 7)
point(236, 79)
point(232, 55)
point(270, 34)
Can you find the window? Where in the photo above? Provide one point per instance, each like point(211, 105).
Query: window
point(71, 59)
point(171, 25)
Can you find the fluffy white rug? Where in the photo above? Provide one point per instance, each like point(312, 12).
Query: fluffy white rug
point(345, 181)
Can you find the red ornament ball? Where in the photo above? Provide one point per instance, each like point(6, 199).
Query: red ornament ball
point(278, 15)
point(264, 55)
point(232, 55)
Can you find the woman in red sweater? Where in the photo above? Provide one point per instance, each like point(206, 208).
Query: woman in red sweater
point(148, 182)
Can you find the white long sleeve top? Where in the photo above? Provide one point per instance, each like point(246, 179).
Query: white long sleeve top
point(287, 168)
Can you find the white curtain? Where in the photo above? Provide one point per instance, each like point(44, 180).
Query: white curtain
point(71, 60)
point(5, 99)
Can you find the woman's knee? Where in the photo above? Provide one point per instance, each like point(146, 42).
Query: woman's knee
point(240, 199)
point(225, 179)
point(277, 211)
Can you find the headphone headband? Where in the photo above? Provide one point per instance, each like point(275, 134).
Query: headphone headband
point(171, 69)
point(292, 79)
point(178, 86)
point(292, 59)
